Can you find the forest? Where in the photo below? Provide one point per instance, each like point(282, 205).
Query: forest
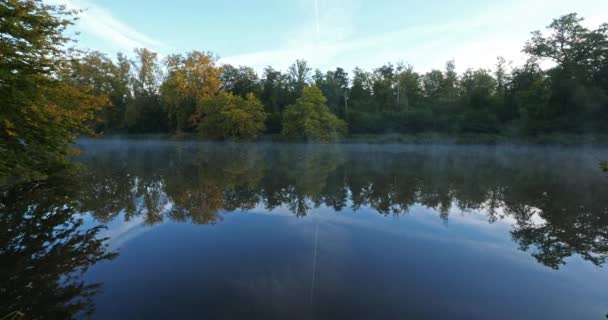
point(185, 92)
point(52, 91)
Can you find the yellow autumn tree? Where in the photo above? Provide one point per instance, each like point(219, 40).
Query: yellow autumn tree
point(190, 79)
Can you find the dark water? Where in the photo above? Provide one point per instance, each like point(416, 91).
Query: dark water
point(271, 231)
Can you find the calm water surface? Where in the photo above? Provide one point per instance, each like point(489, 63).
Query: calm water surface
point(185, 230)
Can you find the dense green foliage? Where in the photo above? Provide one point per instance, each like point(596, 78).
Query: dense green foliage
point(227, 116)
point(310, 119)
point(39, 113)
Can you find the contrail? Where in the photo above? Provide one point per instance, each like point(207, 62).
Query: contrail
point(317, 19)
point(314, 263)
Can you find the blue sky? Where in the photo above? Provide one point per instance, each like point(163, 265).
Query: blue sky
point(327, 33)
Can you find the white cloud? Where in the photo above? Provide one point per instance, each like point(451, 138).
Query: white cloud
point(501, 30)
point(335, 23)
point(95, 21)
point(474, 41)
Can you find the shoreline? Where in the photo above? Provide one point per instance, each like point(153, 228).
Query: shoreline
point(413, 139)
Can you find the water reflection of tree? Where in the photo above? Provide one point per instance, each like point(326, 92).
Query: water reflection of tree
point(302, 180)
point(44, 250)
point(214, 180)
point(563, 232)
point(556, 212)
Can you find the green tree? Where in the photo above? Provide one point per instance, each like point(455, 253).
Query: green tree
point(275, 96)
point(382, 87)
point(240, 81)
point(334, 85)
point(578, 87)
point(145, 114)
point(299, 77)
point(530, 94)
point(309, 118)
point(227, 116)
point(40, 115)
point(477, 100)
point(361, 90)
point(122, 94)
point(99, 74)
point(360, 117)
point(409, 88)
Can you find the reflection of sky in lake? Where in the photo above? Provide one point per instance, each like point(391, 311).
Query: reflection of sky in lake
point(260, 261)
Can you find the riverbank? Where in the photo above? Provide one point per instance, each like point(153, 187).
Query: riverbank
point(439, 138)
point(422, 138)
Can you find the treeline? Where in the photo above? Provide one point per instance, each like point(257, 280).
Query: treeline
point(192, 92)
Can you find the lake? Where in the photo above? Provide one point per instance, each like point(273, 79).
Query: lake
point(161, 229)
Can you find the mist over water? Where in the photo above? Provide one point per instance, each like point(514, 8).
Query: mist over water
point(338, 231)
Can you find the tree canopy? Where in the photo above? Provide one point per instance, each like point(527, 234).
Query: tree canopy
point(40, 115)
point(228, 116)
point(190, 79)
point(309, 118)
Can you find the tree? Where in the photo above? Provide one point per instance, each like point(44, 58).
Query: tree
point(334, 85)
point(570, 44)
point(190, 80)
point(477, 100)
point(504, 106)
point(240, 81)
point(299, 76)
point(433, 84)
point(40, 115)
point(409, 88)
point(96, 72)
point(530, 93)
point(275, 96)
point(382, 87)
point(227, 116)
point(361, 90)
point(145, 114)
point(441, 93)
point(309, 118)
point(122, 94)
point(578, 82)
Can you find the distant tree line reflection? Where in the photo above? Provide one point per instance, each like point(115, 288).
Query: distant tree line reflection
point(559, 209)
